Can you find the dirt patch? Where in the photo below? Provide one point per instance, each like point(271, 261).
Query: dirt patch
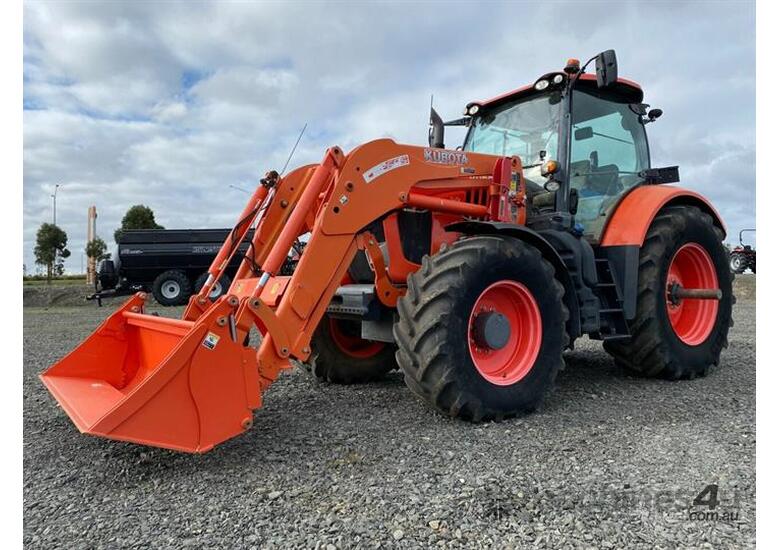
point(54, 295)
point(745, 287)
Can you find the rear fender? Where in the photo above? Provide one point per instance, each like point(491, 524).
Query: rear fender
point(633, 215)
point(625, 231)
point(548, 253)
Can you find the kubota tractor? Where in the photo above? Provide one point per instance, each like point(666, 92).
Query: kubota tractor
point(470, 269)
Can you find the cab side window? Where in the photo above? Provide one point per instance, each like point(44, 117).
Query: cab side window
point(608, 150)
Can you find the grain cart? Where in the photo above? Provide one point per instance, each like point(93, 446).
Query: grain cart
point(470, 269)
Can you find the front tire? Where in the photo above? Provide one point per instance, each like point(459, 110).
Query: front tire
point(482, 329)
point(341, 356)
point(682, 340)
point(172, 288)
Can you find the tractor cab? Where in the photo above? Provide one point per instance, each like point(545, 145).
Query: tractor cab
point(581, 139)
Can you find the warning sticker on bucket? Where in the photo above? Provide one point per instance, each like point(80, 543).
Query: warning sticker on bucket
point(211, 340)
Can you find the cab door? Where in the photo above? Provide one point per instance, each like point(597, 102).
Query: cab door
point(608, 150)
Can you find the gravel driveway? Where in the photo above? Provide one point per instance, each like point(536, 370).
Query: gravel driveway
point(612, 461)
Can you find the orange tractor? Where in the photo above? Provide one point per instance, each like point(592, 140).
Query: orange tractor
point(470, 269)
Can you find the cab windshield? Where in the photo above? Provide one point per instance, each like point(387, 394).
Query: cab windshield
point(524, 128)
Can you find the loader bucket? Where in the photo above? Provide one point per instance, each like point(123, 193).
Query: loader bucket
point(157, 381)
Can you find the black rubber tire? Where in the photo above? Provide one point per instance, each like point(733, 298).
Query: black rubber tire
point(173, 276)
point(329, 363)
point(223, 284)
point(654, 348)
point(432, 329)
point(738, 263)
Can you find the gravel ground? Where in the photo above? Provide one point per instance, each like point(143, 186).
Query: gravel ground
point(612, 461)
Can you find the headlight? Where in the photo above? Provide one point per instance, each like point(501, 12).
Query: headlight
point(473, 110)
point(557, 79)
point(541, 85)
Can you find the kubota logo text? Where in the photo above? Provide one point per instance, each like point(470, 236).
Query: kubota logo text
point(442, 156)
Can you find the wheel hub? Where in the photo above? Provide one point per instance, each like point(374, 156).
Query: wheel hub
point(491, 330)
point(216, 291)
point(170, 289)
point(504, 332)
point(692, 294)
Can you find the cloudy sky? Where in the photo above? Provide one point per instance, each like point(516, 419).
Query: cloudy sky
point(168, 104)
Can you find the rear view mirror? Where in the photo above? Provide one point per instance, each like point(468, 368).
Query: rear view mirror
point(583, 133)
point(606, 68)
point(436, 131)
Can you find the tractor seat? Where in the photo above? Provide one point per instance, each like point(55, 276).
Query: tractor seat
point(603, 180)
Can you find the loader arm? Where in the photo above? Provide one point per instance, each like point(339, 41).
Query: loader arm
point(345, 195)
point(190, 384)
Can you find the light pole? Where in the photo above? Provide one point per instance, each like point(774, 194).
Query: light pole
point(54, 215)
point(54, 203)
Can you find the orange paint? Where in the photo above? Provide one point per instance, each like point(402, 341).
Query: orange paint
point(631, 219)
point(190, 384)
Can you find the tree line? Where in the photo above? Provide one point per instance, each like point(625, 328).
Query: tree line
point(51, 241)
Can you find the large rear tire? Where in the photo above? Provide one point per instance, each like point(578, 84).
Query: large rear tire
point(680, 340)
point(342, 357)
point(482, 329)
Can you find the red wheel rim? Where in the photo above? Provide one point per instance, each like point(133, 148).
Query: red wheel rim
point(509, 364)
point(692, 320)
point(352, 345)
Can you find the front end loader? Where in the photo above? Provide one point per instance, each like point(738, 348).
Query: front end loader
point(470, 269)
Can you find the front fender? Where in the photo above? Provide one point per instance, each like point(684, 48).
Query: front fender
point(633, 215)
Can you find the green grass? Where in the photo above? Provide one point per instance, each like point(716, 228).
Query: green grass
point(65, 281)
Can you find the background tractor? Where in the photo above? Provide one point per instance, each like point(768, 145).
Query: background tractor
point(743, 256)
point(470, 269)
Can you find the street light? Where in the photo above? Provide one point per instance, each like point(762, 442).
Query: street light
point(54, 215)
point(54, 202)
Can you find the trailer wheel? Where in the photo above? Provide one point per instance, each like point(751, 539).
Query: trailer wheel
point(737, 262)
point(684, 339)
point(341, 356)
point(482, 329)
point(172, 288)
point(219, 289)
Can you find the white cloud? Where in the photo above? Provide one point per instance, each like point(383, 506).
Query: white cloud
point(169, 111)
point(168, 103)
